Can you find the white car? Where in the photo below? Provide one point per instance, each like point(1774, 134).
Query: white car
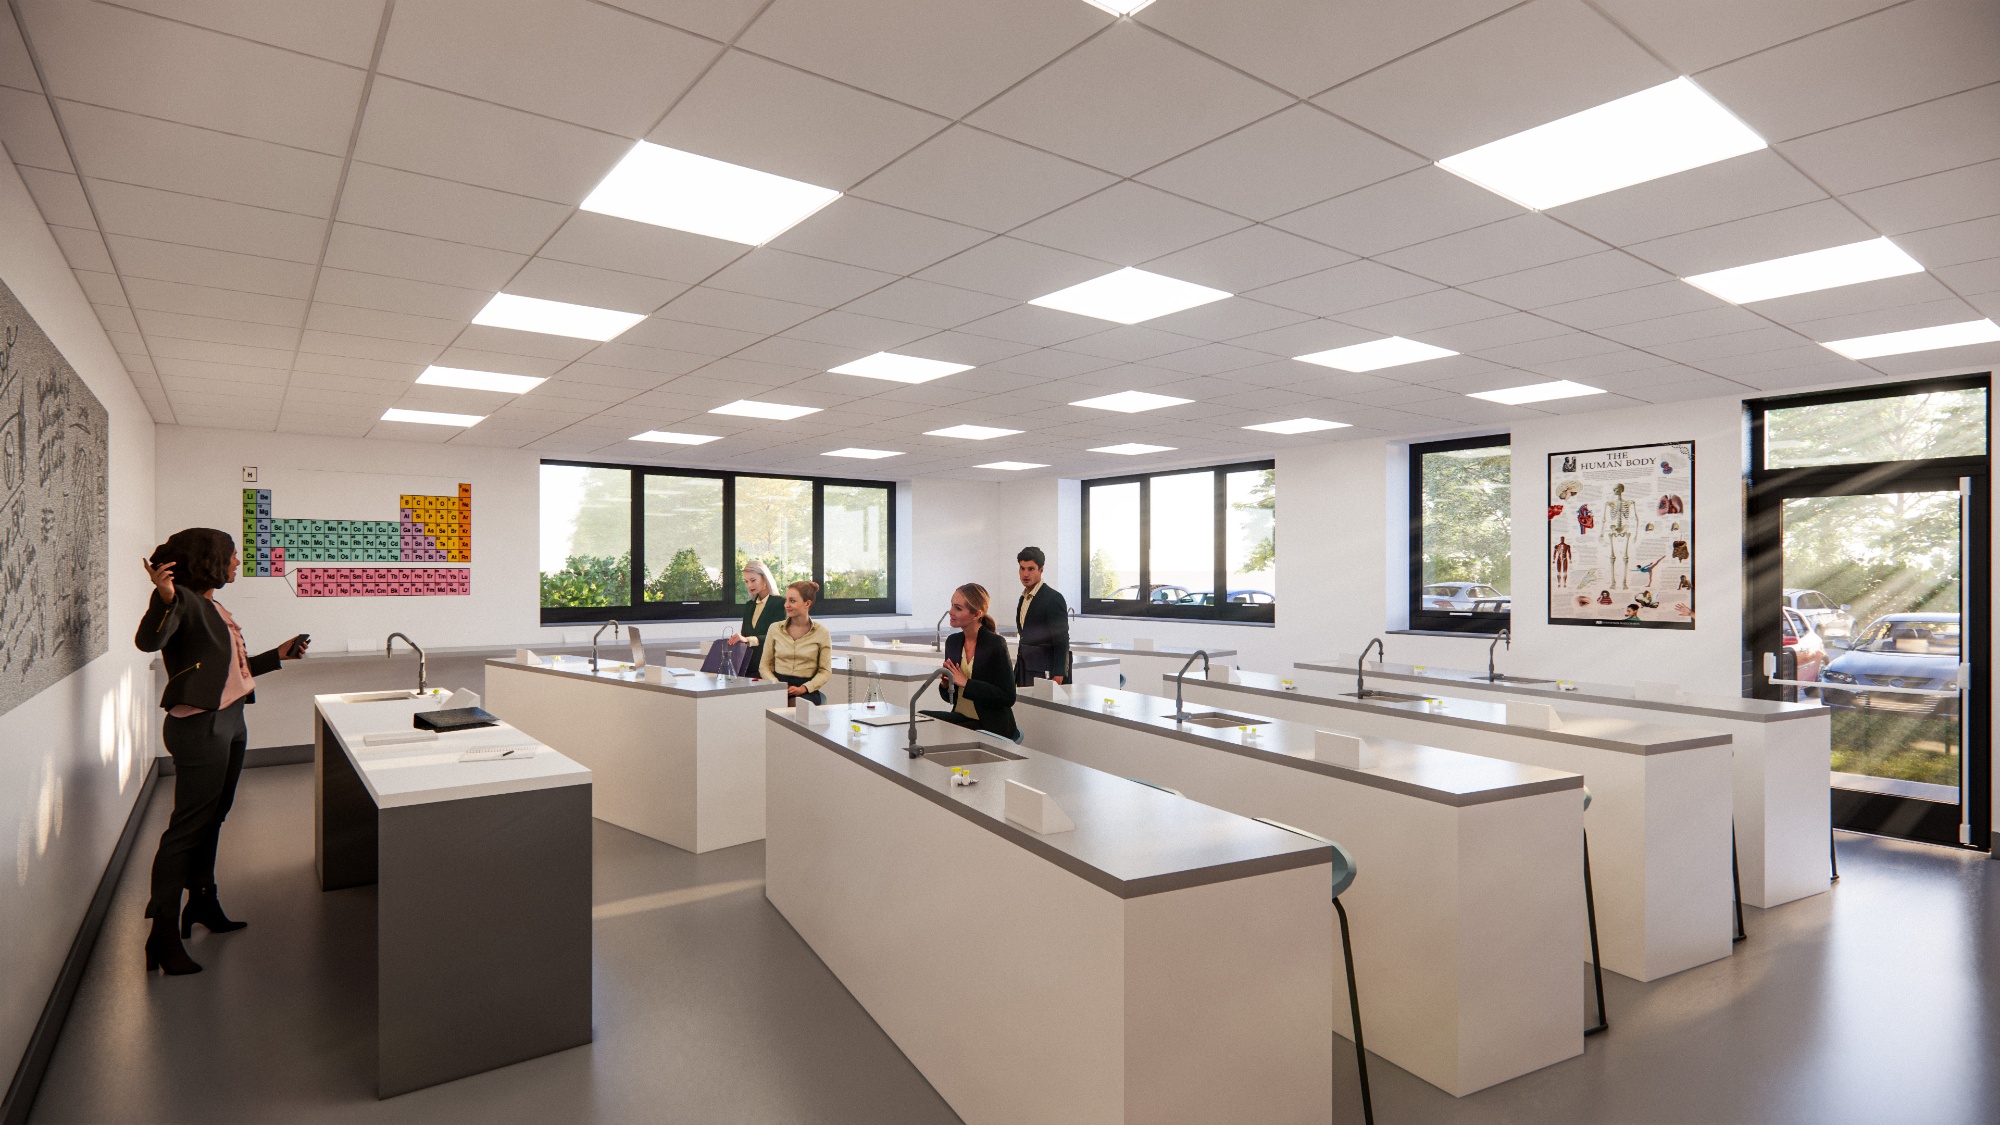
point(1476, 596)
point(1826, 618)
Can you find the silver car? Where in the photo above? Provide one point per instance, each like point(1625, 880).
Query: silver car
point(1834, 622)
point(1476, 596)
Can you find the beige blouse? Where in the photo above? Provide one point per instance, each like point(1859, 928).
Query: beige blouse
point(810, 656)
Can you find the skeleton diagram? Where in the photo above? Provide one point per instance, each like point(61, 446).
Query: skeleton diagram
point(1561, 556)
point(1619, 515)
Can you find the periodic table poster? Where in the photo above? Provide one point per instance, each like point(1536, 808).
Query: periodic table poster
point(429, 529)
point(1621, 536)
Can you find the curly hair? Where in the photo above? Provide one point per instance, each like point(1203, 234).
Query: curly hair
point(201, 557)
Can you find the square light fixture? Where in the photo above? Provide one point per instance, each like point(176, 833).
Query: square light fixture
point(1131, 402)
point(772, 411)
point(1119, 7)
point(1537, 392)
point(479, 380)
point(669, 437)
point(863, 454)
point(1129, 296)
point(1376, 354)
point(1918, 339)
point(431, 417)
point(1299, 426)
point(665, 187)
point(1669, 128)
point(1811, 272)
point(555, 318)
point(1133, 449)
point(900, 368)
point(1011, 466)
point(972, 433)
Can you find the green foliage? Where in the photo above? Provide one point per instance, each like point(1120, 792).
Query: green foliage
point(1911, 747)
point(862, 582)
point(1263, 499)
point(684, 580)
point(1103, 574)
point(587, 581)
point(1468, 526)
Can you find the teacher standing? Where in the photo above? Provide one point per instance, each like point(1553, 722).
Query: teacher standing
point(977, 681)
point(209, 679)
point(1043, 617)
point(763, 610)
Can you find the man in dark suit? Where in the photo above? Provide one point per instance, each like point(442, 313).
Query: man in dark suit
point(1043, 617)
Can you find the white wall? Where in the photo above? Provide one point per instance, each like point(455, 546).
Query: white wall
point(72, 757)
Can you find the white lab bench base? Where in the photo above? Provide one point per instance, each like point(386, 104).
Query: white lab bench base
point(1026, 994)
point(1658, 823)
point(684, 770)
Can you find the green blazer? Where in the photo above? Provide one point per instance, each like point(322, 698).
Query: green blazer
point(774, 612)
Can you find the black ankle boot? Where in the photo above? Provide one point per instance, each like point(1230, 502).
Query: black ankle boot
point(203, 907)
point(164, 950)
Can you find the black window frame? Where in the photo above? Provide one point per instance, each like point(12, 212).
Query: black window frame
point(1143, 606)
point(1450, 621)
point(730, 607)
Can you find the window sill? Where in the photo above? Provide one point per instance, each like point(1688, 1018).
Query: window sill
point(1467, 633)
point(1179, 620)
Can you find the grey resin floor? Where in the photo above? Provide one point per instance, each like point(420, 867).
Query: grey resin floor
point(1875, 1003)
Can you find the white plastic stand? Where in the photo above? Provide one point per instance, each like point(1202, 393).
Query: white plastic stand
point(1143, 644)
point(1035, 810)
point(1535, 716)
point(527, 656)
point(1656, 691)
point(1339, 749)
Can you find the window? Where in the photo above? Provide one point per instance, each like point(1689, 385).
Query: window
point(1211, 553)
point(693, 530)
point(1943, 423)
point(1461, 534)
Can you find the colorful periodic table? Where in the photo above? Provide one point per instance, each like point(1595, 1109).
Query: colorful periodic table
point(431, 529)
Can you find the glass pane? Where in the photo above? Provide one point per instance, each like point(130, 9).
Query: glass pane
point(774, 523)
point(857, 541)
point(586, 536)
point(1902, 428)
point(1467, 529)
point(1251, 529)
point(1889, 564)
point(1114, 541)
point(684, 539)
point(1184, 539)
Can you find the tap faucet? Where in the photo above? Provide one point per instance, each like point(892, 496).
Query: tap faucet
point(611, 625)
point(1361, 667)
point(915, 750)
point(1493, 677)
point(1180, 712)
point(423, 676)
point(937, 631)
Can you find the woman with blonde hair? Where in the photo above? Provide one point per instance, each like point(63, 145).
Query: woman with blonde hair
point(979, 686)
point(763, 610)
point(799, 651)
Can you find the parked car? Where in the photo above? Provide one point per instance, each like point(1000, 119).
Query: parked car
point(1162, 595)
point(1236, 597)
point(1465, 596)
point(1830, 621)
point(1905, 650)
point(1807, 650)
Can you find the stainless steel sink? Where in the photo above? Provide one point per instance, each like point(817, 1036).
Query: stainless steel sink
point(1385, 696)
point(1224, 719)
point(968, 754)
point(1504, 678)
point(376, 696)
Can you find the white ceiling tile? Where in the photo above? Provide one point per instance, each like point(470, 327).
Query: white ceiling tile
point(863, 334)
point(404, 201)
point(1210, 359)
point(399, 352)
point(1720, 320)
point(862, 232)
point(1410, 316)
point(768, 272)
point(1975, 278)
point(1947, 309)
point(1227, 319)
point(1597, 369)
point(101, 289)
point(1028, 324)
point(1248, 258)
point(28, 131)
point(1804, 309)
point(83, 248)
point(1972, 192)
point(1132, 343)
point(946, 56)
point(1697, 34)
point(59, 197)
point(1290, 159)
point(204, 351)
point(1535, 63)
point(1650, 303)
point(1977, 357)
point(807, 355)
point(121, 59)
point(1414, 207)
point(552, 280)
point(1777, 234)
point(681, 336)
point(744, 312)
point(1009, 267)
point(779, 119)
point(980, 180)
point(1303, 338)
point(383, 325)
point(1696, 352)
point(1959, 242)
point(1355, 285)
point(396, 294)
point(198, 221)
point(1306, 46)
point(916, 301)
point(197, 300)
point(634, 363)
point(1737, 188)
point(1609, 271)
point(1784, 92)
point(1129, 223)
point(160, 322)
point(1493, 332)
point(1549, 349)
point(716, 19)
point(419, 258)
point(341, 30)
point(569, 59)
point(1932, 137)
point(221, 269)
point(522, 353)
point(1126, 100)
point(619, 244)
point(1508, 246)
point(453, 137)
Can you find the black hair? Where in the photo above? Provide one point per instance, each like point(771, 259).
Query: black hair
point(1033, 555)
point(201, 557)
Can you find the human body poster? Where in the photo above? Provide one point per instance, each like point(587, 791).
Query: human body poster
point(1621, 536)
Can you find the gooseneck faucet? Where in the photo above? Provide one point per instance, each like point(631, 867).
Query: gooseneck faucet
point(1493, 677)
point(1361, 667)
point(937, 631)
point(611, 625)
point(423, 675)
point(1180, 712)
point(915, 750)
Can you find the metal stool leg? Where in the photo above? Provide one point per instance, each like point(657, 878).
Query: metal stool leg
point(1736, 878)
point(1596, 963)
point(1832, 856)
point(1354, 1007)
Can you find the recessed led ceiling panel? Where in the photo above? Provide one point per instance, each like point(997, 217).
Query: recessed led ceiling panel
point(772, 411)
point(1811, 272)
point(862, 454)
point(1131, 402)
point(479, 380)
point(1119, 7)
point(972, 433)
point(1644, 136)
point(1010, 466)
point(1133, 449)
point(900, 368)
point(554, 318)
point(431, 417)
point(1376, 354)
point(668, 437)
point(1129, 296)
point(1298, 426)
point(666, 187)
point(1537, 392)
point(1918, 340)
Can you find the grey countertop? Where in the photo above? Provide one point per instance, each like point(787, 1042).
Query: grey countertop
point(1706, 706)
point(1165, 652)
point(1623, 736)
point(1130, 839)
point(1428, 773)
point(693, 684)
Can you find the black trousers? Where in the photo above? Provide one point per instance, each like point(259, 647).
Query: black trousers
point(208, 758)
point(816, 698)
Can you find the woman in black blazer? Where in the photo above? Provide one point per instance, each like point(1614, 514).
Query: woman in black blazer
point(209, 679)
point(980, 689)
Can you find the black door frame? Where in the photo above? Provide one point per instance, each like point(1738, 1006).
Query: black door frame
point(1763, 593)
